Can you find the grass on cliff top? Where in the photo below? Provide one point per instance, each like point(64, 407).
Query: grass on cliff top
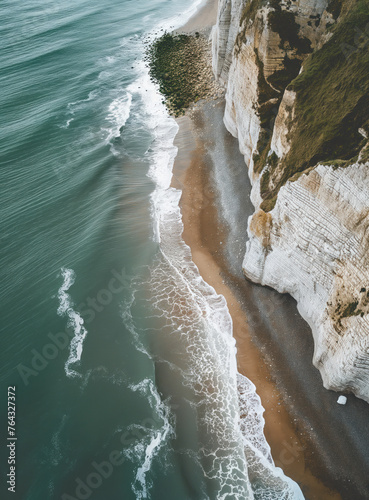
point(332, 101)
point(177, 64)
point(270, 91)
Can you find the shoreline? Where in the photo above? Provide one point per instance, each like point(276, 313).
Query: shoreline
point(299, 414)
point(204, 18)
point(205, 235)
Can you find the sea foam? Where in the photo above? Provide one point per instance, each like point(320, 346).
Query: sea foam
point(74, 107)
point(154, 440)
point(75, 322)
point(234, 454)
point(118, 114)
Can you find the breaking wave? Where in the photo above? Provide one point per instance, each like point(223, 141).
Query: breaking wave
point(195, 321)
point(75, 322)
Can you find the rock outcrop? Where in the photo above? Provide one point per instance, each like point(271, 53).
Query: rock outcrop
point(315, 245)
point(297, 98)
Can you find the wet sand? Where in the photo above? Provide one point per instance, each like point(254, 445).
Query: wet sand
point(318, 443)
point(322, 446)
point(204, 233)
point(204, 18)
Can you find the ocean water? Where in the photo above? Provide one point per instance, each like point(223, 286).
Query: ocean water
point(122, 356)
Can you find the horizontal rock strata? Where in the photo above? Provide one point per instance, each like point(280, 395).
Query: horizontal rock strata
point(307, 158)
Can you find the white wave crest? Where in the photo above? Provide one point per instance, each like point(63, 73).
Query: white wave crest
point(75, 322)
point(241, 464)
point(119, 112)
point(75, 107)
point(252, 420)
point(128, 322)
point(154, 440)
point(194, 317)
point(163, 129)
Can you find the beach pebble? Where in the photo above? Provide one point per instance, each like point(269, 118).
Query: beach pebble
point(342, 400)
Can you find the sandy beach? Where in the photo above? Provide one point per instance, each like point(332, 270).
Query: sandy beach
point(206, 235)
point(204, 18)
point(274, 344)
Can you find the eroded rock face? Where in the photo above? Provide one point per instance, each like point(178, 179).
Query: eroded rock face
point(314, 243)
point(315, 246)
point(258, 48)
point(224, 35)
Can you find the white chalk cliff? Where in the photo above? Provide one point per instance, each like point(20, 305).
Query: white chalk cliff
point(309, 235)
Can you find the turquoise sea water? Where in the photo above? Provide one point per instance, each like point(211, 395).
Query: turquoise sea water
point(122, 357)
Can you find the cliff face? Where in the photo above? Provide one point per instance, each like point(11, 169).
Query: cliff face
point(297, 99)
point(315, 245)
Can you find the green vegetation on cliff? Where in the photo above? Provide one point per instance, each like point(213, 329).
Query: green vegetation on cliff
point(295, 48)
point(332, 102)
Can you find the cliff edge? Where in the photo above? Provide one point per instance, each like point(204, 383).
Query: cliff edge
point(297, 99)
